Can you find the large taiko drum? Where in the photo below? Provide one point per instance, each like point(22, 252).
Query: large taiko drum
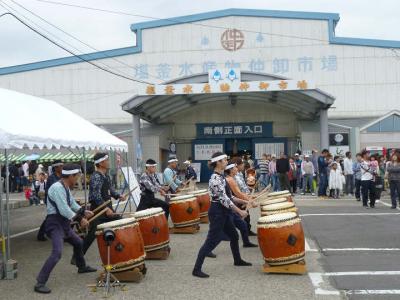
point(154, 228)
point(204, 201)
point(184, 211)
point(127, 250)
point(278, 208)
point(281, 239)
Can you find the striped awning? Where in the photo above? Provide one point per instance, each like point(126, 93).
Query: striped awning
point(48, 157)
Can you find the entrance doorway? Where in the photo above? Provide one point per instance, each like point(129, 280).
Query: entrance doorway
point(238, 147)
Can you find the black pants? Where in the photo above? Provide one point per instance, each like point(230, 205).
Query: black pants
point(42, 231)
point(242, 226)
point(368, 190)
point(59, 231)
point(358, 188)
point(293, 184)
point(394, 191)
point(378, 187)
point(221, 221)
point(284, 182)
point(91, 235)
point(148, 201)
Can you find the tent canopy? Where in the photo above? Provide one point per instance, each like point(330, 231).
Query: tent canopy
point(57, 127)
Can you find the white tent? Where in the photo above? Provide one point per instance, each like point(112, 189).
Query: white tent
point(28, 121)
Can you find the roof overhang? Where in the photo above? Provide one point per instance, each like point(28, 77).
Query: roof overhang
point(154, 108)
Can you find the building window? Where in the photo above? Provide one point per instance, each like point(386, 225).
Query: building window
point(389, 124)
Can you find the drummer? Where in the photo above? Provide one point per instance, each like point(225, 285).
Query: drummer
point(190, 173)
point(244, 189)
point(220, 217)
point(241, 200)
point(170, 176)
point(100, 191)
point(57, 167)
point(61, 210)
point(149, 185)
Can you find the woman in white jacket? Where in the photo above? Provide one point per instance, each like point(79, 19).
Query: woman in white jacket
point(336, 180)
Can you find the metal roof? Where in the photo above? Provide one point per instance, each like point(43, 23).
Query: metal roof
point(154, 109)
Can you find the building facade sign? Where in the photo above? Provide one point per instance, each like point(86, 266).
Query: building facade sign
point(234, 130)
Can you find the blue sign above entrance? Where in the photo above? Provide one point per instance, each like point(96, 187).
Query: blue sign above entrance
point(234, 130)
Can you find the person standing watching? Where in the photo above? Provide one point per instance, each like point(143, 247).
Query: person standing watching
point(349, 174)
point(357, 176)
point(282, 168)
point(367, 180)
point(393, 175)
point(308, 172)
point(263, 169)
point(323, 164)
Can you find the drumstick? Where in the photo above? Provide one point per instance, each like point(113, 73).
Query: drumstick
point(98, 215)
point(130, 192)
point(265, 191)
point(98, 208)
point(187, 181)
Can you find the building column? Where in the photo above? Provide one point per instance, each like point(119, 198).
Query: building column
point(355, 140)
point(136, 145)
point(324, 131)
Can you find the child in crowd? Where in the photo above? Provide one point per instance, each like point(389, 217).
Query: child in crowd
point(335, 180)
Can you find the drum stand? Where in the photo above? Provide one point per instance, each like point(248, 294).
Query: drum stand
point(294, 268)
point(107, 280)
point(191, 229)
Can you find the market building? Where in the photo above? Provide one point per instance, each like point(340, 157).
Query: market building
point(237, 80)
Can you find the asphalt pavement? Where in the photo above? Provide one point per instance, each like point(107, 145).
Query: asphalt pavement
point(352, 253)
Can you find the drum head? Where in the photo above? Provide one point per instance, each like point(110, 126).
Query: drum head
point(198, 192)
point(277, 206)
point(148, 212)
point(117, 223)
point(281, 193)
point(272, 201)
point(277, 218)
point(183, 198)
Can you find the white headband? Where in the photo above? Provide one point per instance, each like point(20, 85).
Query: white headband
point(101, 159)
point(151, 165)
point(187, 162)
point(70, 172)
point(228, 167)
point(57, 164)
point(218, 158)
point(173, 160)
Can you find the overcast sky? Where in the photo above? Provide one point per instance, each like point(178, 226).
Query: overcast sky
point(18, 45)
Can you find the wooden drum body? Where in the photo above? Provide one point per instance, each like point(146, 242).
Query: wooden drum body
point(277, 208)
point(154, 228)
point(184, 211)
point(281, 239)
point(127, 250)
point(204, 201)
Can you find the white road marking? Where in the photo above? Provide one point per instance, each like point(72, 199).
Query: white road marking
point(24, 232)
point(362, 273)
point(372, 292)
point(308, 248)
point(349, 214)
point(387, 204)
point(317, 279)
point(360, 249)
